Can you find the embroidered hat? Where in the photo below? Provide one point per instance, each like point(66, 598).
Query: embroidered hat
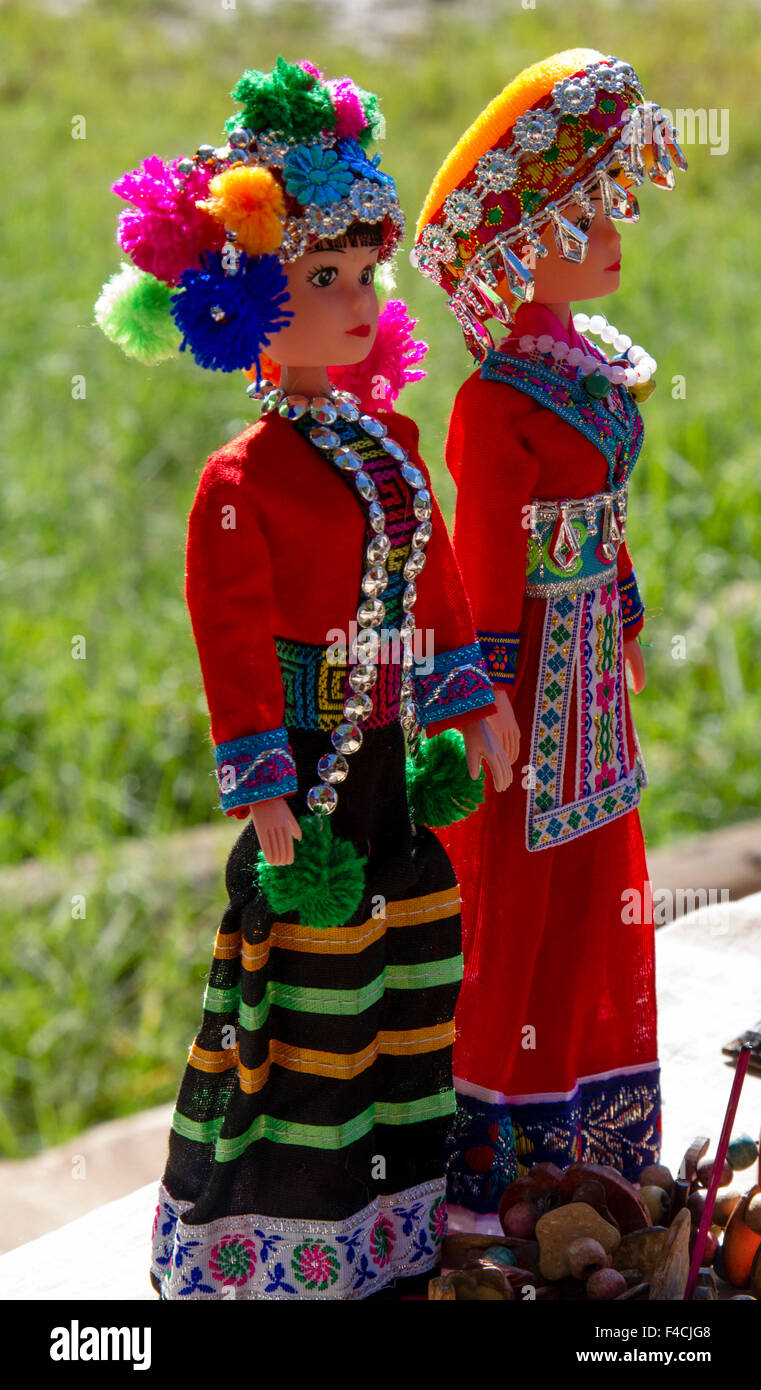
point(208, 235)
point(566, 126)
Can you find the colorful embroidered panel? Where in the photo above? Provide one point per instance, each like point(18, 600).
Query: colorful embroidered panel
point(260, 1257)
point(613, 424)
point(315, 685)
point(580, 642)
point(601, 752)
point(458, 682)
point(254, 768)
point(500, 650)
point(632, 607)
point(614, 1119)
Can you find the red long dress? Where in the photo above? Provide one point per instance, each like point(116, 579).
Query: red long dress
point(555, 1053)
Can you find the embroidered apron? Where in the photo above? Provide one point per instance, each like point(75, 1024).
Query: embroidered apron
point(571, 565)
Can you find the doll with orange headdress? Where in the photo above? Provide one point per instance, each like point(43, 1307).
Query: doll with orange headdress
point(556, 1051)
point(306, 1154)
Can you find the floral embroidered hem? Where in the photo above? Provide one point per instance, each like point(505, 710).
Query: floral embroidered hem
point(259, 1257)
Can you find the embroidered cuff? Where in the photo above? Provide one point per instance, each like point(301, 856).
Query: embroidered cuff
point(632, 609)
point(255, 768)
point(500, 651)
point(458, 683)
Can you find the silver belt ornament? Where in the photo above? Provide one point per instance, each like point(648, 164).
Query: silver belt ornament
point(565, 547)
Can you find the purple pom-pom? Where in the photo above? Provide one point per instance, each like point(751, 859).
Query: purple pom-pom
point(167, 232)
point(251, 302)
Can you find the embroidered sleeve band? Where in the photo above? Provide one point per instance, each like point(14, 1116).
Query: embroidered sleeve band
point(255, 768)
point(632, 609)
point(500, 651)
point(458, 683)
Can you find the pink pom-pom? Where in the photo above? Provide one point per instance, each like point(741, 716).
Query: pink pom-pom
point(350, 116)
point(310, 67)
point(391, 363)
point(167, 232)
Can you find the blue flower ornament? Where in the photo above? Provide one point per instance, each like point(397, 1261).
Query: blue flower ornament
point(314, 174)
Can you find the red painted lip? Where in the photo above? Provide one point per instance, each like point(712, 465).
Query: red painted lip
point(362, 331)
point(617, 266)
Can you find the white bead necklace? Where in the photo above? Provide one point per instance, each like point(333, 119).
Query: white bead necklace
point(636, 368)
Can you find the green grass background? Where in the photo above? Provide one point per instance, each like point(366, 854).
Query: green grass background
point(97, 1013)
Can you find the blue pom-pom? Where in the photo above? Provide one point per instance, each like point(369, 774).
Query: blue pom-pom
point(252, 300)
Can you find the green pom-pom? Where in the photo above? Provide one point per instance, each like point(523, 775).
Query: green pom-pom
point(385, 279)
point(133, 311)
point(374, 128)
point(440, 790)
point(325, 882)
point(287, 99)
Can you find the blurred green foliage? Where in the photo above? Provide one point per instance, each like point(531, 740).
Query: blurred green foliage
point(97, 490)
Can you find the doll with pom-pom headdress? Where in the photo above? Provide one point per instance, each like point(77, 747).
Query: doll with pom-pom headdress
point(350, 709)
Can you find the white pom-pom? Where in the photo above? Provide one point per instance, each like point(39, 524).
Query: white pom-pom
point(526, 343)
point(544, 342)
point(581, 322)
point(597, 323)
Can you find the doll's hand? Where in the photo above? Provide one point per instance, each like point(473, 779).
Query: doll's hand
point(481, 742)
point(633, 656)
point(504, 723)
point(277, 828)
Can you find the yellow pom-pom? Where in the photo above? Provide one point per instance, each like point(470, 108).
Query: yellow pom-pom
point(250, 202)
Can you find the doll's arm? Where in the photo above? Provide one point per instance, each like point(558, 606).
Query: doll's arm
point(632, 608)
point(229, 593)
point(496, 475)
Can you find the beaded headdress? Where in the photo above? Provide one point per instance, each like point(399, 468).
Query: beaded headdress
point(564, 128)
point(208, 235)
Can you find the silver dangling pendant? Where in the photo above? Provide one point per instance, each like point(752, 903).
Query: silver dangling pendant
point(570, 241)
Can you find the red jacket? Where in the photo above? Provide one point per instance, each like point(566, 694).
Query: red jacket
point(503, 449)
point(275, 548)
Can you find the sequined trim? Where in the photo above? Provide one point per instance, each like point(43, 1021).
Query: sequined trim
point(255, 768)
point(500, 652)
point(458, 683)
point(617, 431)
point(260, 1257)
point(632, 608)
point(615, 1120)
point(583, 585)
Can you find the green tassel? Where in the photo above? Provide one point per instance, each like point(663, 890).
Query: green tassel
point(440, 789)
point(325, 882)
point(133, 311)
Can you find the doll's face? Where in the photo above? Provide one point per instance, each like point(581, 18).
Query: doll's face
point(557, 281)
point(335, 309)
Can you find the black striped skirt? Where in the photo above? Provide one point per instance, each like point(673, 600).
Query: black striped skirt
point(306, 1154)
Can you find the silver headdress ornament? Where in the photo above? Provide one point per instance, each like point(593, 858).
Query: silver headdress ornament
point(500, 177)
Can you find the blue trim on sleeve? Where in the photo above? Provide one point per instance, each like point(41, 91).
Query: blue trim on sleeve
point(500, 652)
point(254, 768)
point(632, 607)
point(458, 683)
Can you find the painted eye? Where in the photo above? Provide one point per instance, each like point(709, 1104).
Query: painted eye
point(367, 275)
point(584, 224)
point(323, 277)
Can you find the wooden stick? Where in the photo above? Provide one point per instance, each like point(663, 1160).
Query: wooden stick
point(743, 1058)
